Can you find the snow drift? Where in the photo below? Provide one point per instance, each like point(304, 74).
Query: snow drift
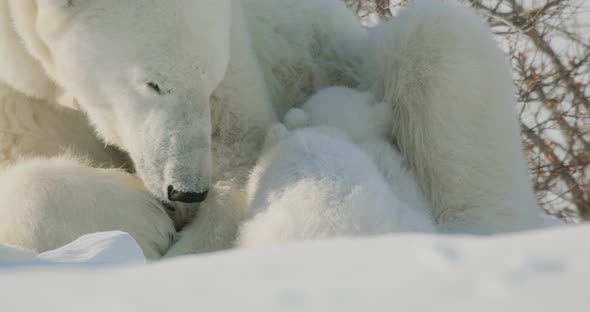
point(537, 271)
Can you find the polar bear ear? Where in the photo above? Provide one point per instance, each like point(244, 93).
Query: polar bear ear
point(297, 118)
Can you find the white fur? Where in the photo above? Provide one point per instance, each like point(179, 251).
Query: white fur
point(356, 113)
point(305, 45)
point(198, 53)
point(314, 183)
point(221, 63)
point(100, 56)
point(167, 137)
point(454, 116)
point(367, 122)
point(33, 128)
point(47, 203)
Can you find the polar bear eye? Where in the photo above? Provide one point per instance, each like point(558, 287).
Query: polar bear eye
point(154, 87)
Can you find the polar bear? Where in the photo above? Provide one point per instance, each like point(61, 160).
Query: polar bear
point(155, 94)
point(185, 89)
point(454, 117)
point(357, 113)
point(314, 183)
point(47, 203)
point(367, 122)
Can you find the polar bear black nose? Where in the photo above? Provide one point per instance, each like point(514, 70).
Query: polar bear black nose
point(186, 197)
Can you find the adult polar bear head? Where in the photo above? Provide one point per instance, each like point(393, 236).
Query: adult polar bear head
point(143, 72)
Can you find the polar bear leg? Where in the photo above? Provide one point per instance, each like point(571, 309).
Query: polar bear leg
point(454, 116)
point(48, 202)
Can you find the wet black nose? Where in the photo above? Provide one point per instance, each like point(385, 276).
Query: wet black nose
point(186, 197)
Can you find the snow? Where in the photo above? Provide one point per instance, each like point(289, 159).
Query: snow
point(98, 248)
point(538, 271)
point(107, 248)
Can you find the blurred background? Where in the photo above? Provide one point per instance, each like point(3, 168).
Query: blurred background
point(548, 43)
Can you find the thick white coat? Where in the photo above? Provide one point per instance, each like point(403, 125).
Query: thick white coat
point(187, 88)
point(367, 123)
point(48, 203)
point(314, 183)
point(454, 117)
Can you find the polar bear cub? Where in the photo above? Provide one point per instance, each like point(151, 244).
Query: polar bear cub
point(314, 183)
point(48, 203)
point(368, 123)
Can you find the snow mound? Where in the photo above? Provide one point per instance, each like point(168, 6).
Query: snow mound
point(107, 248)
point(538, 271)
